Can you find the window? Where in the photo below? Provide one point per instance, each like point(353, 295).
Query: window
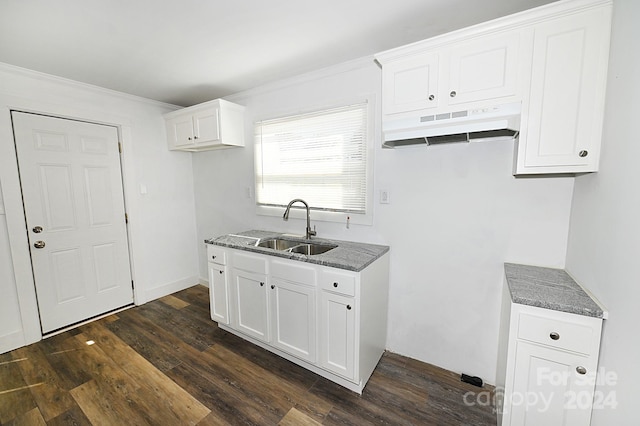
point(322, 157)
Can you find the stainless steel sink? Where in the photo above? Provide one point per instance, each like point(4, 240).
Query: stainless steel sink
point(292, 246)
point(312, 249)
point(277, 243)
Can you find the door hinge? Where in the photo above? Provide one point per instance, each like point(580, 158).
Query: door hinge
point(126, 218)
point(119, 147)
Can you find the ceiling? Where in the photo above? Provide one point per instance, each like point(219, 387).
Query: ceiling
point(189, 51)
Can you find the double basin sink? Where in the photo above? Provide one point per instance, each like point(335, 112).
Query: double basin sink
point(292, 246)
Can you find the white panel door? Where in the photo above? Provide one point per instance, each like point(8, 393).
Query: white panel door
point(206, 125)
point(565, 108)
point(251, 304)
point(483, 69)
point(551, 387)
point(410, 84)
point(218, 293)
point(293, 313)
point(337, 334)
point(73, 198)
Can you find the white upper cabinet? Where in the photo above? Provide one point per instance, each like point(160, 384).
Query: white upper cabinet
point(410, 84)
point(563, 128)
point(451, 78)
point(552, 59)
point(211, 125)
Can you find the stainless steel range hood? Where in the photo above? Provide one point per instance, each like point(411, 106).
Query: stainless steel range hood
point(491, 123)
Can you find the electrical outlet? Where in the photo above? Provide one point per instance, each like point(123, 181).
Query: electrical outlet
point(385, 196)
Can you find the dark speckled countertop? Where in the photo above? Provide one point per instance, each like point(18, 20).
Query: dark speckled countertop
point(551, 289)
point(348, 255)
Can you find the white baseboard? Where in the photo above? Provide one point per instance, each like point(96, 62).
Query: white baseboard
point(204, 282)
point(166, 289)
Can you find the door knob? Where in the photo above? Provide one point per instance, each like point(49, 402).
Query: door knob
point(39, 244)
point(37, 229)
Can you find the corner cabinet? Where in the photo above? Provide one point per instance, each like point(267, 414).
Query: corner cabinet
point(552, 59)
point(211, 125)
point(328, 320)
point(547, 366)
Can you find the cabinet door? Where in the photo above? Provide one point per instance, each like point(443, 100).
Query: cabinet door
point(293, 319)
point(251, 304)
point(180, 131)
point(337, 334)
point(410, 84)
point(218, 294)
point(206, 126)
point(567, 92)
point(483, 69)
point(547, 388)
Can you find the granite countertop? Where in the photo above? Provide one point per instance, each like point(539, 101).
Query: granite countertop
point(551, 289)
point(348, 255)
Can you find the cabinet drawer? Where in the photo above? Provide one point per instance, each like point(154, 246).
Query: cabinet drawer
point(216, 254)
point(295, 273)
point(251, 263)
point(339, 283)
point(556, 333)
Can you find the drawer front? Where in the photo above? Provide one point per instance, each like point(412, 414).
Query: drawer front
point(340, 283)
point(216, 254)
point(556, 333)
point(298, 273)
point(251, 263)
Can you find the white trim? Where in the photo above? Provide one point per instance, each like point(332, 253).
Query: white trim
point(203, 281)
point(4, 67)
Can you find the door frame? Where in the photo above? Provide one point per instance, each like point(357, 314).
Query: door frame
point(14, 209)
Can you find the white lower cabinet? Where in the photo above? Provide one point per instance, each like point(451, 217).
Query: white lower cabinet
point(330, 321)
point(218, 285)
point(337, 334)
point(293, 319)
point(547, 366)
point(250, 291)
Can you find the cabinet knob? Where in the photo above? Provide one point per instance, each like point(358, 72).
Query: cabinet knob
point(583, 153)
point(189, 138)
point(335, 284)
point(554, 335)
point(213, 257)
point(220, 271)
point(195, 137)
point(581, 370)
point(453, 94)
point(273, 286)
point(261, 284)
point(348, 307)
point(431, 97)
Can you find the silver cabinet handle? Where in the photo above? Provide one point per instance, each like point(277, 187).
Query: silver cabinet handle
point(581, 370)
point(554, 336)
point(39, 244)
point(348, 307)
point(453, 94)
point(37, 229)
point(431, 97)
point(583, 153)
point(335, 285)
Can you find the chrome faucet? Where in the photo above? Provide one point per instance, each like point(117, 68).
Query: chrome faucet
point(285, 216)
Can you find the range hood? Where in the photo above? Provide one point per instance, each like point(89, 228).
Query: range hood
point(490, 123)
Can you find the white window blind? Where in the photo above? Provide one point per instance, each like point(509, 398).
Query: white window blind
point(320, 157)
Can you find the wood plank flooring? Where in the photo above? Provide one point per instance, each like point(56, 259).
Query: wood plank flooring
point(167, 363)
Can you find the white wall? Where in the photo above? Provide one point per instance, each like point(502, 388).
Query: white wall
point(162, 222)
point(456, 215)
point(604, 239)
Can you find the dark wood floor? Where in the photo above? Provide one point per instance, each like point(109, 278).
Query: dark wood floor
point(167, 363)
